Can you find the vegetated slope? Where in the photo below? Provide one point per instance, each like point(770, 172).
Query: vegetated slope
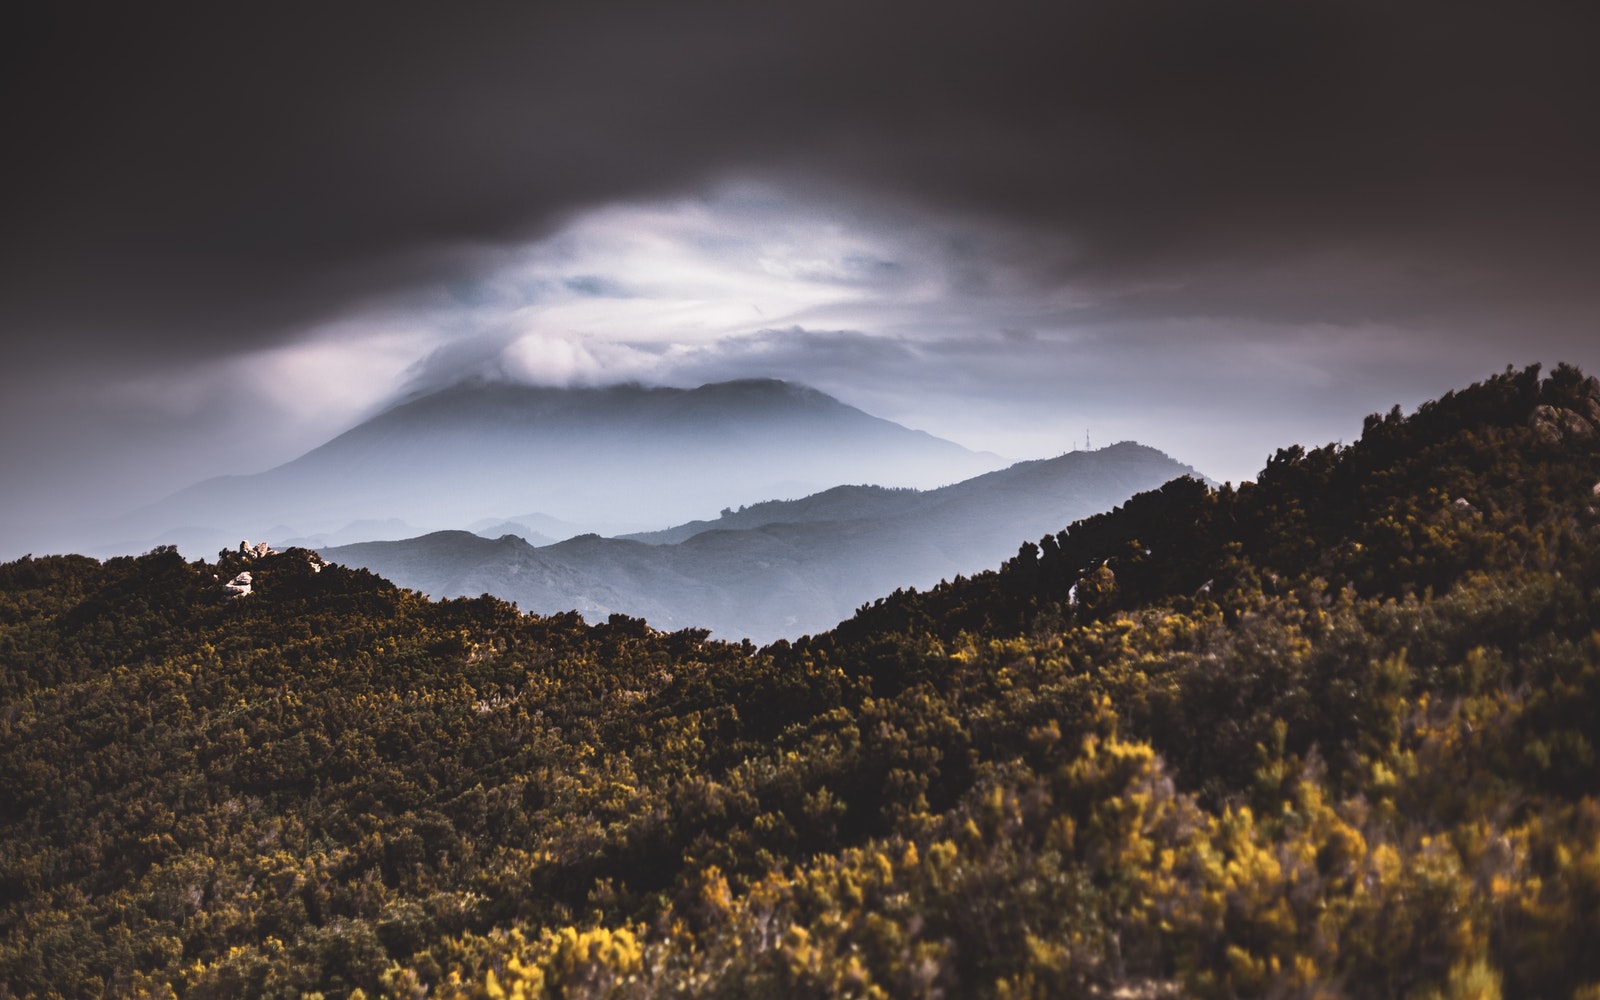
point(779, 569)
point(1332, 733)
point(614, 456)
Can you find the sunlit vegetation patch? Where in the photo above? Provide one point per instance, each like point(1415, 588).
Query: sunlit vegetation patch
point(1332, 733)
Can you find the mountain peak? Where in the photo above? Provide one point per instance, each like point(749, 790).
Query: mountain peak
point(620, 458)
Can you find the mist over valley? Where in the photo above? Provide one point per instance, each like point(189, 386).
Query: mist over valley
point(778, 569)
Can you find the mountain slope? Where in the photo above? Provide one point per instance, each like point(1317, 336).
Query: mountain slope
point(779, 569)
point(614, 457)
point(1333, 734)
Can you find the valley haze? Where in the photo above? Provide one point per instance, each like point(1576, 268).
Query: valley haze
point(778, 570)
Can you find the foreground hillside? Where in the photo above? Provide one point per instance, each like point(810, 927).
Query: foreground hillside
point(781, 569)
point(1330, 734)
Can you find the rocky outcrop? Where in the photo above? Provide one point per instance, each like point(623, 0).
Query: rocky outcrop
point(1591, 407)
point(1577, 423)
point(1556, 425)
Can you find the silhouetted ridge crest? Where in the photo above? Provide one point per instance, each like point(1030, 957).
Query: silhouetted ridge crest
point(1378, 515)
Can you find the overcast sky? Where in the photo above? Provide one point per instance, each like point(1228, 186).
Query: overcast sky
point(230, 231)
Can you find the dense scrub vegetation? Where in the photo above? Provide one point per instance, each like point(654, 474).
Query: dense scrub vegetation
point(1331, 733)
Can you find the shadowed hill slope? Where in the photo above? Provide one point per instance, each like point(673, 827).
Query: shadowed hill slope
point(1333, 733)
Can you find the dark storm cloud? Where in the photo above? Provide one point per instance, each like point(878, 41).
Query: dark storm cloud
point(202, 179)
point(228, 229)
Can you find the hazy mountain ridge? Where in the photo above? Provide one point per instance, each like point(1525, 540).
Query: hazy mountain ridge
point(616, 458)
point(781, 568)
point(1035, 482)
point(842, 503)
